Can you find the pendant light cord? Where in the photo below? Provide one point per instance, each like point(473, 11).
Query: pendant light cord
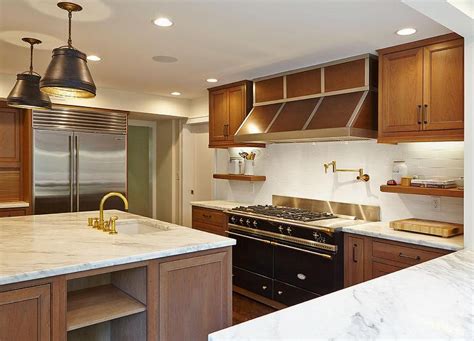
point(69, 41)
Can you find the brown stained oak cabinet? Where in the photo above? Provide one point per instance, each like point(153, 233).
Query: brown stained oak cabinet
point(366, 258)
point(209, 220)
point(228, 106)
point(421, 91)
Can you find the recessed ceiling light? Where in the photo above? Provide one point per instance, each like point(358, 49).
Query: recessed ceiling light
point(176, 93)
point(164, 59)
point(406, 31)
point(93, 58)
point(163, 22)
point(211, 80)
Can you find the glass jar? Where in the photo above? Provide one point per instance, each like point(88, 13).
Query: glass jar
point(399, 170)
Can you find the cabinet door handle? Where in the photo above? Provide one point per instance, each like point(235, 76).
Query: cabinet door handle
point(207, 216)
point(419, 114)
point(425, 114)
point(408, 256)
point(354, 258)
point(226, 130)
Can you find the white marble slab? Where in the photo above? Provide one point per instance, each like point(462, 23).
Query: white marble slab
point(218, 204)
point(433, 300)
point(33, 247)
point(383, 230)
point(14, 204)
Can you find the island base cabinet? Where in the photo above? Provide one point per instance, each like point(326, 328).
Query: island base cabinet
point(25, 314)
point(195, 296)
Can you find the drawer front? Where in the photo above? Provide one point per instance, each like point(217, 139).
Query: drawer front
point(381, 269)
point(220, 230)
point(402, 254)
point(208, 216)
point(260, 285)
point(12, 213)
point(290, 295)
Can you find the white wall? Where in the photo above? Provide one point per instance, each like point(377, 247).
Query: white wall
point(297, 170)
point(118, 100)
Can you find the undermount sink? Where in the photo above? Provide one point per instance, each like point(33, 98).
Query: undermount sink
point(132, 227)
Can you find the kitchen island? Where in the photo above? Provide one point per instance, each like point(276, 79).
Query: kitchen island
point(433, 300)
point(60, 279)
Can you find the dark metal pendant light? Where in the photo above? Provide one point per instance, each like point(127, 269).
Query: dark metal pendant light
point(26, 92)
point(67, 74)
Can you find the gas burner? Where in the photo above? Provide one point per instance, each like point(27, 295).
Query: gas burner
point(288, 213)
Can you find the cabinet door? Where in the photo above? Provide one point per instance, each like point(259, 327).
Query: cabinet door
point(443, 86)
point(195, 296)
point(12, 212)
point(25, 314)
point(353, 260)
point(218, 116)
point(237, 111)
point(9, 137)
point(402, 85)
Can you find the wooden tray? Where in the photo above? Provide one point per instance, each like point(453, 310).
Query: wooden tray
point(434, 228)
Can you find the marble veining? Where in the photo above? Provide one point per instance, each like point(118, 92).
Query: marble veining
point(218, 204)
point(433, 300)
point(14, 204)
point(33, 247)
point(382, 230)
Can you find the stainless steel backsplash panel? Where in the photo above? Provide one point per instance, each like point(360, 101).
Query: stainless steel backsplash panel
point(364, 212)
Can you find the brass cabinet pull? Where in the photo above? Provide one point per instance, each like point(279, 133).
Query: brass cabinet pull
point(419, 114)
point(207, 216)
point(408, 256)
point(226, 130)
point(354, 253)
point(425, 114)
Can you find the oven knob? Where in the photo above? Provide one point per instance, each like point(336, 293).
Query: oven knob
point(248, 222)
point(255, 223)
point(241, 220)
point(280, 228)
point(288, 229)
point(280, 292)
point(233, 219)
point(318, 237)
point(264, 287)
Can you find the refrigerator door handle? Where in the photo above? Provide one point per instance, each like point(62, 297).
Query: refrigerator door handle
point(71, 173)
point(76, 140)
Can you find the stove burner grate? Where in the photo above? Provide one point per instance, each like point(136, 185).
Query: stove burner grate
point(289, 213)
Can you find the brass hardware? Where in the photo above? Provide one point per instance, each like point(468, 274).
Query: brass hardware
point(90, 222)
point(360, 177)
point(101, 207)
point(112, 225)
point(425, 114)
point(226, 130)
point(419, 113)
point(96, 223)
point(408, 256)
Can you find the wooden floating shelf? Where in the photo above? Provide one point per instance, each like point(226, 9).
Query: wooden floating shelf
point(99, 304)
point(438, 192)
point(240, 177)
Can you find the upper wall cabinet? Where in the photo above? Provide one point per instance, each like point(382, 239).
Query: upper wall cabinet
point(228, 107)
point(421, 93)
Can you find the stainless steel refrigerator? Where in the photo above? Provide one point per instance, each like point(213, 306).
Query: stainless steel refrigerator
point(78, 157)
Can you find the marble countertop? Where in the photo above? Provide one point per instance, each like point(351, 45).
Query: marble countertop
point(218, 204)
point(433, 300)
point(382, 230)
point(39, 246)
point(14, 204)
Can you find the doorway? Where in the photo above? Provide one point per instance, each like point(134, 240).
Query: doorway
point(141, 165)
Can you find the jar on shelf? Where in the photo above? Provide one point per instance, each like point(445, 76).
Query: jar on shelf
point(399, 170)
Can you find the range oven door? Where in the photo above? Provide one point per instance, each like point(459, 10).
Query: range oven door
point(312, 270)
point(252, 253)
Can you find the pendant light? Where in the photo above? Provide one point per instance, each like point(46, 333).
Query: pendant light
point(26, 92)
point(67, 74)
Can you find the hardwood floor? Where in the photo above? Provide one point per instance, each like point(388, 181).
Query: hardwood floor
point(245, 309)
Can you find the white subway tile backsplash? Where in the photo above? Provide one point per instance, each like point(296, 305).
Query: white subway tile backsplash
point(297, 170)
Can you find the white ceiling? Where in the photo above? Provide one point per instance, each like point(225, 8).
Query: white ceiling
point(225, 39)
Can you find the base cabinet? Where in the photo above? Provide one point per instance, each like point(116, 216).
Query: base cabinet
point(209, 220)
point(366, 258)
point(25, 314)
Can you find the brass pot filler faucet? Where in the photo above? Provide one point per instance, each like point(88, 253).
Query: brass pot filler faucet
point(360, 177)
point(107, 226)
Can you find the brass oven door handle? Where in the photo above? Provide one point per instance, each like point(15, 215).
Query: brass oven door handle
point(303, 250)
point(425, 114)
point(248, 237)
point(409, 257)
point(419, 114)
point(354, 258)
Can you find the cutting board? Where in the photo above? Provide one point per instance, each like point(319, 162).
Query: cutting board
point(434, 228)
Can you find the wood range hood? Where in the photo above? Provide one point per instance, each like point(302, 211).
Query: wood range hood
point(335, 101)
